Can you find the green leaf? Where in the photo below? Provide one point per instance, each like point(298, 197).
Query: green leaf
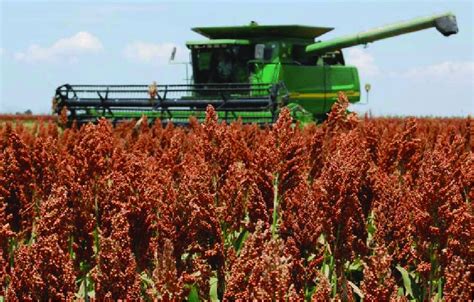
point(356, 289)
point(146, 279)
point(33, 234)
point(81, 291)
point(406, 281)
point(275, 205)
point(371, 229)
point(322, 239)
point(439, 294)
point(400, 292)
point(147, 283)
point(356, 265)
point(96, 246)
point(326, 270)
point(239, 243)
point(309, 292)
point(185, 256)
point(86, 288)
point(193, 294)
point(213, 289)
point(91, 294)
point(300, 114)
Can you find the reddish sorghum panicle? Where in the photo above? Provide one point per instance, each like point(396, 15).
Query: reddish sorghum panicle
point(263, 270)
point(42, 271)
point(150, 212)
point(5, 235)
point(16, 181)
point(378, 283)
point(115, 275)
point(458, 276)
point(167, 282)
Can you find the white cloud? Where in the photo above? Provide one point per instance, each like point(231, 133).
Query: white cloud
point(153, 53)
point(1, 51)
point(449, 70)
point(363, 61)
point(64, 49)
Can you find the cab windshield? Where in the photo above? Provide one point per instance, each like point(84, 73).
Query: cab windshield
point(225, 64)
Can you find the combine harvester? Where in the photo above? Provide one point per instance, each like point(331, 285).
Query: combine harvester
point(248, 72)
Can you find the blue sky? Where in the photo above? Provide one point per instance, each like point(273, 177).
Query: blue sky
point(48, 43)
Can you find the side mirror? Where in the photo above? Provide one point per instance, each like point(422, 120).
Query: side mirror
point(259, 51)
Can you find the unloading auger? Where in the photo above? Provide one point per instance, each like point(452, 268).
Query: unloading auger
point(247, 72)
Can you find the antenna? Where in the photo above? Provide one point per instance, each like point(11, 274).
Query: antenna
point(171, 61)
point(173, 54)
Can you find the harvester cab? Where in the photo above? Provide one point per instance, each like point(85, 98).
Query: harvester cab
point(247, 72)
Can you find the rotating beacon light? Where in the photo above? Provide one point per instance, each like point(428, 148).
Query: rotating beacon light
point(367, 89)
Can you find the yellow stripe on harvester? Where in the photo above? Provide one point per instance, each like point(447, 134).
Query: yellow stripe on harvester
point(321, 95)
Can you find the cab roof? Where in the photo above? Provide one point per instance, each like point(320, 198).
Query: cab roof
point(260, 31)
point(216, 43)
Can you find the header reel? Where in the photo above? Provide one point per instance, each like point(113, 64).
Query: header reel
point(253, 103)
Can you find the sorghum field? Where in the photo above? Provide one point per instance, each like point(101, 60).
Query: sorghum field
point(355, 208)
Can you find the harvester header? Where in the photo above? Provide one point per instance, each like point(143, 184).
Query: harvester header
point(246, 72)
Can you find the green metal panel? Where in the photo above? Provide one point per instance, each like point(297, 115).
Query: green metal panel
point(183, 116)
point(445, 23)
point(217, 42)
point(342, 78)
point(304, 79)
point(260, 31)
point(315, 88)
point(265, 73)
point(306, 85)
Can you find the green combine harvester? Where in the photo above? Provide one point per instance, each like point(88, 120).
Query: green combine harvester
point(248, 72)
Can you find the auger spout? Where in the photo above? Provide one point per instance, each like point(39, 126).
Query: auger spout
point(445, 23)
